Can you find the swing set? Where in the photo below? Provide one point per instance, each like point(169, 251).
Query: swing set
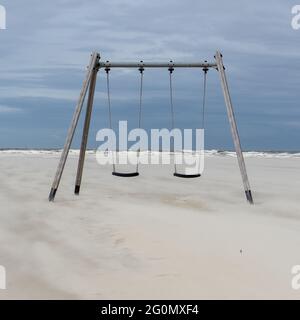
point(141, 70)
point(89, 85)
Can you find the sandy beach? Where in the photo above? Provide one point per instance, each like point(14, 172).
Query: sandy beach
point(150, 237)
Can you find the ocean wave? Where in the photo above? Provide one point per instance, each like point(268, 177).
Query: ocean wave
point(254, 154)
point(218, 153)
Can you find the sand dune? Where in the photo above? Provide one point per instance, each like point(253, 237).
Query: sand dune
point(154, 236)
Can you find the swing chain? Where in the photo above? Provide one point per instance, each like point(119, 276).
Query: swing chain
point(205, 69)
point(107, 70)
point(171, 69)
point(141, 70)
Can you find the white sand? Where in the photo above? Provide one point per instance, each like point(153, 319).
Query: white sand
point(154, 236)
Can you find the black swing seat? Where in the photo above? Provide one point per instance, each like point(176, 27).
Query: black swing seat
point(180, 175)
point(125, 175)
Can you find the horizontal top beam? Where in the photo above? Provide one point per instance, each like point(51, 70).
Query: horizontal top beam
point(157, 64)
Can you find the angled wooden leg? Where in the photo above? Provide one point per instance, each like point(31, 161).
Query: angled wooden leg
point(86, 131)
point(93, 64)
point(233, 126)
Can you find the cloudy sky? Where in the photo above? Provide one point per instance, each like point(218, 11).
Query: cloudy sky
point(45, 49)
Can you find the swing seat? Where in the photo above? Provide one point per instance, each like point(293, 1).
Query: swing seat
point(125, 175)
point(181, 175)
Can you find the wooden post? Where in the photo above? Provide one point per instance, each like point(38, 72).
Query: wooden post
point(233, 126)
point(86, 131)
point(93, 64)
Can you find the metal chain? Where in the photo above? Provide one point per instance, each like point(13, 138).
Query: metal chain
point(171, 99)
point(108, 98)
point(171, 69)
point(141, 69)
point(204, 97)
point(109, 108)
point(141, 96)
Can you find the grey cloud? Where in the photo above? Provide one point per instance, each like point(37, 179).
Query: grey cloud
point(49, 40)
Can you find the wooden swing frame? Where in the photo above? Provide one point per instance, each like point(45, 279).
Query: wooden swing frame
point(89, 85)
